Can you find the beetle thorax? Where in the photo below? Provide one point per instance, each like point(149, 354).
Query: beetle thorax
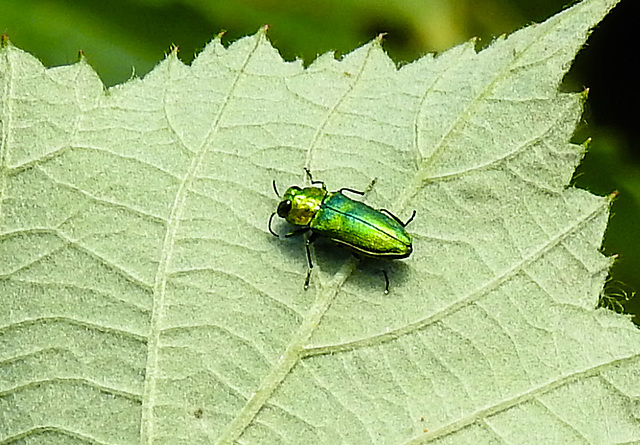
point(303, 210)
point(304, 206)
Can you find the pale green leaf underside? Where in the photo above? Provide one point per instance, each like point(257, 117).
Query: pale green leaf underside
point(144, 301)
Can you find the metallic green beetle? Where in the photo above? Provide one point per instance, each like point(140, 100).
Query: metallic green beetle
point(353, 224)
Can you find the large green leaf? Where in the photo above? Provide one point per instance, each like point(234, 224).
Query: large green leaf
point(144, 300)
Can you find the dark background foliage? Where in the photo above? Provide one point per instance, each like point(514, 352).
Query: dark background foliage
point(125, 38)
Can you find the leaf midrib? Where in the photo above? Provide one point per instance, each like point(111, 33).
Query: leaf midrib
point(326, 295)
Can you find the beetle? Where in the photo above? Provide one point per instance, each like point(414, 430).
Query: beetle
point(352, 224)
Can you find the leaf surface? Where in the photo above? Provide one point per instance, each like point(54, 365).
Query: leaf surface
point(144, 300)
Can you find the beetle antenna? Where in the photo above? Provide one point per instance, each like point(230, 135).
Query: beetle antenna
point(275, 189)
point(270, 229)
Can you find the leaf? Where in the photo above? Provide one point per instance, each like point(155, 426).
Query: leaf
point(144, 300)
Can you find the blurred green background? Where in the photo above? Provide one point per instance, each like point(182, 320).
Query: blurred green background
point(121, 39)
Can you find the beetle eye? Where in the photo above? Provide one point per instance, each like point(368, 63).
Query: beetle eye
point(284, 208)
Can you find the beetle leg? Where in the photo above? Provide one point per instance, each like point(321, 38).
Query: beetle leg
point(370, 186)
point(306, 280)
point(297, 232)
point(398, 220)
point(308, 172)
point(308, 242)
point(345, 189)
point(393, 216)
point(386, 279)
point(413, 215)
point(358, 192)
